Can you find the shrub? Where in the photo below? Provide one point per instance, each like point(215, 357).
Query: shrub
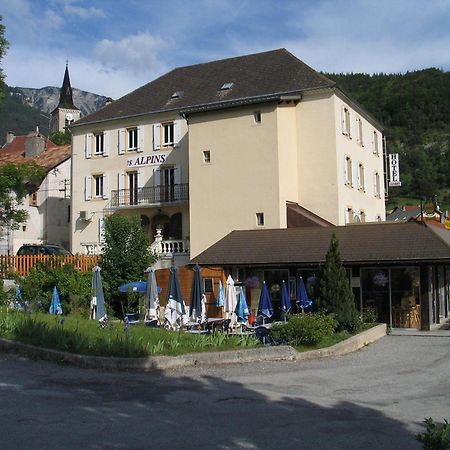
point(74, 288)
point(334, 293)
point(435, 437)
point(370, 315)
point(306, 329)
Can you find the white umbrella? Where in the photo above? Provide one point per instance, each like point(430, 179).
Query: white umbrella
point(151, 299)
point(230, 301)
point(98, 310)
point(176, 311)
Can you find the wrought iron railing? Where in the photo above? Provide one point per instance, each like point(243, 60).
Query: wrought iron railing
point(150, 195)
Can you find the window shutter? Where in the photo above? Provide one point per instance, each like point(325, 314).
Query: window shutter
point(105, 187)
point(351, 124)
point(343, 121)
point(176, 133)
point(347, 215)
point(364, 179)
point(358, 176)
point(140, 132)
point(122, 134)
point(87, 188)
point(156, 177)
point(177, 175)
point(375, 184)
point(88, 145)
point(345, 170)
point(101, 229)
point(156, 136)
point(121, 186)
point(106, 143)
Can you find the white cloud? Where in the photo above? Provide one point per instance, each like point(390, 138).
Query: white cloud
point(52, 20)
point(84, 13)
point(136, 53)
point(85, 74)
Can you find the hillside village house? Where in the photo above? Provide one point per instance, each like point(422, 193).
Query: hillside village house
point(240, 143)
point(48, 205)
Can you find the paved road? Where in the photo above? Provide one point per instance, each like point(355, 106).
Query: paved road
point(373, 399)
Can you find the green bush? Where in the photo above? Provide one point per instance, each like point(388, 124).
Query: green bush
point(74, 288)
point(436, 437)
point(370, 315)
point(306, 329)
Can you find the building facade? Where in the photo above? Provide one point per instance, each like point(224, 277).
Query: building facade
point(214, 147)
point(47, 205)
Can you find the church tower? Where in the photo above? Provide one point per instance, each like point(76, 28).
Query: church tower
point(66, 112)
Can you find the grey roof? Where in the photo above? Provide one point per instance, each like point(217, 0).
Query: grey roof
point(362, 244)
point(258, 77)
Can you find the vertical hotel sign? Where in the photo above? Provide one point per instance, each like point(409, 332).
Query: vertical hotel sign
point(394, 173)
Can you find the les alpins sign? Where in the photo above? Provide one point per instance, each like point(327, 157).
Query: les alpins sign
point(147, 160)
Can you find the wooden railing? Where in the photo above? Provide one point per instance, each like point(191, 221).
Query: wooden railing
point(21, 265)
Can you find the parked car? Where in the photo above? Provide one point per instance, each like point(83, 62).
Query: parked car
point(43, 249)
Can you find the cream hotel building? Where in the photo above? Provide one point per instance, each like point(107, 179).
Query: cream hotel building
point(257, 141)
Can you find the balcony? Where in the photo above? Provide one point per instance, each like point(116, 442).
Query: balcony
point(157, 195)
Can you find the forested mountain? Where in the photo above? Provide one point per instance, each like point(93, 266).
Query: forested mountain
point(414, 108)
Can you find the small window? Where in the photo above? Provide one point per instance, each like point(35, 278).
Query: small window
point(362, 216)
point(378, 218)
point(132, 139)
point(361, 180)
point(260, 219)
point(257, 116)
point(349, 215)
point(99, 143)
point(346, 125)
point(375, 143)
point(33, 200)
point(207, 156)
point(226, 86)
point(98, 185)
point(359, 131)
point(348, 171)
point(167, 134)
point(208, 285)
point(24, 228)
point(376, 185)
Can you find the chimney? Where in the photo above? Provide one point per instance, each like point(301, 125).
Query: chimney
point(10, 137)
point(34, 145)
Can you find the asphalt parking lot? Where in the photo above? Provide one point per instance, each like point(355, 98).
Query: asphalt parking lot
point(375, 398)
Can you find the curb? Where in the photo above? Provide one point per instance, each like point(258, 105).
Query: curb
point(151, 363)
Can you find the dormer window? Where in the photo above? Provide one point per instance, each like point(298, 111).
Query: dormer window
point(177, 94)
point(226, 86)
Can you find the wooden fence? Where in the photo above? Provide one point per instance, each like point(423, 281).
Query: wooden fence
point(21, 265)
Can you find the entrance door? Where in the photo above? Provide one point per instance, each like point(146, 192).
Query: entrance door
point(133, 187)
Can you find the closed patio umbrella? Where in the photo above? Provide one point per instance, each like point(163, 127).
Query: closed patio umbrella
point(230, 301)
point(98, 309)
point(151, 299)
point(242, 311)
point(265, 308)
point(197, 309)
point(285, 300)
point(175, 309)
point(55, 305)
point(220, 300)
point(303, 301)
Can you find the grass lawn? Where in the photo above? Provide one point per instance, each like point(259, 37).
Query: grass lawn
point(79, 335)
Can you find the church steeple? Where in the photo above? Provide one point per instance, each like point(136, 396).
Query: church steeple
point(66, 112)
point(65, 96)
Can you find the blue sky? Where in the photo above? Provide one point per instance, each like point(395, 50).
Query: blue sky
point(115, 46)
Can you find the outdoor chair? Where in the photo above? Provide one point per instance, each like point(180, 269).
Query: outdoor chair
point(133, 318)
point(263, 334)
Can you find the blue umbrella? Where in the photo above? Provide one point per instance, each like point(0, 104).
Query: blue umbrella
point(242, 311)
point(98, 310)
point(303, 301)
point(55, 305)
point(220, 300)
point(134, 286)
point(18, 304)
point(285, 300)
point(175, 309)
point(197, 309)
point(265, 308)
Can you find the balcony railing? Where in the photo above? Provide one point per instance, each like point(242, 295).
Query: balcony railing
point(150, 195)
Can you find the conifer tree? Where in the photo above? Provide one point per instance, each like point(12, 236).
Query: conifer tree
point(334, 293)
